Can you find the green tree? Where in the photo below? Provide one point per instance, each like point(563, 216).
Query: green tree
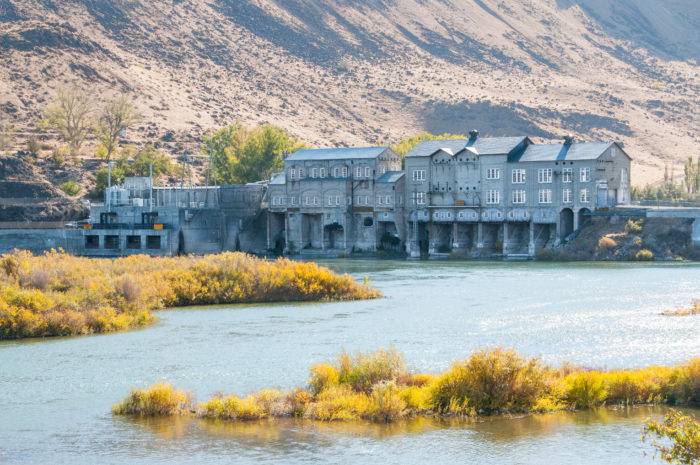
point(684, 433)
point(117, 116)
point(134, 162)
point(70, 115)
point(406, 145)
point(239, 154)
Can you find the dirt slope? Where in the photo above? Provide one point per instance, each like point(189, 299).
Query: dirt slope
point(372, 71)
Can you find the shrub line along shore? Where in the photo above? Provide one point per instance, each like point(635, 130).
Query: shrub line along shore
point(378, 387)
point(57, 294)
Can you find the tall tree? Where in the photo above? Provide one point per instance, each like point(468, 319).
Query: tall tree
point(239, 154)
point(117, 116)
point(70, 115)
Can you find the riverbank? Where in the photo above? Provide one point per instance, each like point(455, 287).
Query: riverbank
point(56, 294)
point(378, 387)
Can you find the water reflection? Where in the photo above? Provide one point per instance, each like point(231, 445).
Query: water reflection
point(282, 432)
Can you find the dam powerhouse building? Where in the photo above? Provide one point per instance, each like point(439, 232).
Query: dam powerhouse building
point(473, 197)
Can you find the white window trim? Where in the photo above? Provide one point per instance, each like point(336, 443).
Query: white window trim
point(566, 196)
point(493, 197)
point(544, 176)
point(518, 176)
point(585, 174)
point(567, 175)
point(584, 196)
point(519, 196)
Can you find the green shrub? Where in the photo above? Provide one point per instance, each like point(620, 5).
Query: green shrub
point(363, 371)
point(682, 431)
point(70, 188)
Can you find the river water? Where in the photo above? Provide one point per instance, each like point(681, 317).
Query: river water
point(55, 395)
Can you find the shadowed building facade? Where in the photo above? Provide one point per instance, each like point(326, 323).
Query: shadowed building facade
point(337, 200)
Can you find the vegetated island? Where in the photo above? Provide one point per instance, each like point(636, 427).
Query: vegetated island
point(57, 294)
point(694, 309)
point(378, 387)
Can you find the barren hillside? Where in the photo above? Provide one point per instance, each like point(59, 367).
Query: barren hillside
point(372, 71)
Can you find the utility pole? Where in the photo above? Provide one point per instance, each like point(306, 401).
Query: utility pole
point(150, 175)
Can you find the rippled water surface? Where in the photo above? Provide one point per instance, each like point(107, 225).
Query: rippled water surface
point(55, 395)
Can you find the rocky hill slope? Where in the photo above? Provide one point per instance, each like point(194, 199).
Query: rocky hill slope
point(372, 71)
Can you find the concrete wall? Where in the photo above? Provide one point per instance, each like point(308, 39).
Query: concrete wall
point(40, 240)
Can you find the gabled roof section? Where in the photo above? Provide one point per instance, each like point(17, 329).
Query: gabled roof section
point(561, 152)
point(482, 145)
point(390, 176)
point(337, 153)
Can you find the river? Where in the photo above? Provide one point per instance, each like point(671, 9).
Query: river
point(55, 395)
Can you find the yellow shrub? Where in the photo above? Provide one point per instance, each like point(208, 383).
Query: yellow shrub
point(584, 389)
point(605, 243)
point(386, 402)
point(363, 371)
point(157, 400)
point(491, 380)
point(644, 255)
point(339, 403)
point(323, 376)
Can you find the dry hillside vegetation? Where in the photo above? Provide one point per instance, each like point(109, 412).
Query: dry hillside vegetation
point(370, 71)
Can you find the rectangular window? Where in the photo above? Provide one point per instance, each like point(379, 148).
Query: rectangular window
point(584, 196)
point(585, 174)
point(153, 242)
point(336, 172)
point(566, 196)
point(387, 200)
point(92, 242)
point(323, 172)
point(344, 172)
point(567, 175)
point(315, 200)
point(419, 175)
point(493, 173)
point(367, 171)
point(292, 173)
point(379, 200)
point(301, 173)
point(420, 198)
point(358, 200)
point(545, 196)
point(314, 172)
point(518, 176)
point(306, 200)
point(330, 200)
point(337, 200)
point(493, 197)
point(519, 196)
point(293, 200)
point(544, 175)
point(358, 172)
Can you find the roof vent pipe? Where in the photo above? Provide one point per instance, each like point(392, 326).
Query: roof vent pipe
point(473, 134)
point(568, 140)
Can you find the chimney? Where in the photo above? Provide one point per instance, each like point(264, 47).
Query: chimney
point(473, 134)
point(568, 140)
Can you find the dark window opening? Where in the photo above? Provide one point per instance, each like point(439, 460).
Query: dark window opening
point(149, 217)
point(153, 242)
point(111, 242)
point(108, 218)
point(133, 242)
point(92, 242)
point(369, 221)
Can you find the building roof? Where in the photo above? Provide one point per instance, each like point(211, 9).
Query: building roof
point(559, 152)
point(483, 145)
point(337, 153)
point(390, 176)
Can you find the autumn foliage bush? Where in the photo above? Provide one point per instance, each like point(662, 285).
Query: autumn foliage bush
point(378, 387)
point(56, 294)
